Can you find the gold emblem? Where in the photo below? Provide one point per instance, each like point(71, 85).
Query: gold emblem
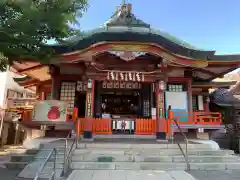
point(126, 47)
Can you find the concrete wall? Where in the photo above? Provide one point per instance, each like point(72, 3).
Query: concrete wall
point(3, 80)
point(7, 82)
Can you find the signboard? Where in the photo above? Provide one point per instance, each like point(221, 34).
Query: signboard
point(120, 85)
point(50, 110)
point(178, 102)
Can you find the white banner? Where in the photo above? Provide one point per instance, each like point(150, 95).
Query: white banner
point(50, 110)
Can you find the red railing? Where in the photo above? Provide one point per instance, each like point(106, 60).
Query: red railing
point(102, 126)
point(210, 118)
point(99, 125)
point(198, 118)
point(207, 118)
point(145, 126)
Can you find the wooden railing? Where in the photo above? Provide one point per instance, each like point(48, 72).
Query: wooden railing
point(99, 126)
point(206, 118)
point(145, 126)
point(102, 126)
point(80, 126)
point(198, 118)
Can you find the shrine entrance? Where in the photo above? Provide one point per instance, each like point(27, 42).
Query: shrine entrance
point(122, 102)
point(80, 103)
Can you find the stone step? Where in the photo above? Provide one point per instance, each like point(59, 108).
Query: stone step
point(152, 166)
point(45, 175)
point(137, 158)
point(32, 151)
point(142, 146)
point(129, 175)
point(163, 152)
point(19, 151)
point(22, 158)
point(15, 165)
point(59, 159)
point(127, 166)
point(50, 149)
point(45, 153)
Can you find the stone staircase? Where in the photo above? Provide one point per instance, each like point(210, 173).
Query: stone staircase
point(17, 157)
point(30, 170)
point(114, 156)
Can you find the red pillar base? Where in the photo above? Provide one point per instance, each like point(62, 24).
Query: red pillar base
point(87, 133)
point(161, 134)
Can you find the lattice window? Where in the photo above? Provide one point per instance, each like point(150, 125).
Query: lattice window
point(175, 87)
point(81, 86)
point(68, 93)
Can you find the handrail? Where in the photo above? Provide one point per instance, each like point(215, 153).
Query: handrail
point(67, 153)
point(181, 149)
point(54, 151)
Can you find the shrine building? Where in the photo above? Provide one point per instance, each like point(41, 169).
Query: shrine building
point(129, 78)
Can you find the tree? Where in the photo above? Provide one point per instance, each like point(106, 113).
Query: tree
point(26, 25)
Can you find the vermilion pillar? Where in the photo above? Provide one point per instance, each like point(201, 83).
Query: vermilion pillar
point(160, 134)
point(88, 123)
point(190, 109)
point(206, 103)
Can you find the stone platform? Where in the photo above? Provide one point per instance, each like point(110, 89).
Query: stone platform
point(129, 175)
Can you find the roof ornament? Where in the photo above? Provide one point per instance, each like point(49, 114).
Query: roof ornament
point(124, 17)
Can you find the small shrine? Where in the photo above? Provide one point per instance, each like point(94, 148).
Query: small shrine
point(122, 78)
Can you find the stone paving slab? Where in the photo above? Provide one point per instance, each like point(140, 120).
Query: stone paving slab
point(7, 174)
point(216, 175)
point(129, 175)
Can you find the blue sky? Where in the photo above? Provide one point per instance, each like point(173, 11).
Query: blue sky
point(206, 24)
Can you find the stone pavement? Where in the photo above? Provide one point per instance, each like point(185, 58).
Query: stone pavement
point(7, 174)
point(216, 175)
point(129, 175)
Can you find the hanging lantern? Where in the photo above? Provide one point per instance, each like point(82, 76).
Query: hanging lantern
point(162, 85)
point(89, 84)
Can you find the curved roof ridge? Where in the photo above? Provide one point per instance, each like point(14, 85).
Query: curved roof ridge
point(123, 16)
point(133, 29)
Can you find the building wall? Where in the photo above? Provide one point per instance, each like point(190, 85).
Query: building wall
point(8, 83)
point(3, 80)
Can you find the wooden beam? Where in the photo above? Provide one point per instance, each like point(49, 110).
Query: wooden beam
point(206, 71)
point(31, 68)
point(223, 73)
point(29, 82)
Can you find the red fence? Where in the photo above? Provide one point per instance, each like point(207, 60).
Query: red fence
point(145, 126)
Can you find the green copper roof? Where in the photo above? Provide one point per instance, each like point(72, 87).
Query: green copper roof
point(123, 20)
point(140, 30)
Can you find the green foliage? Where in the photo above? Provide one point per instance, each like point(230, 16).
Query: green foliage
point(26, 25)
